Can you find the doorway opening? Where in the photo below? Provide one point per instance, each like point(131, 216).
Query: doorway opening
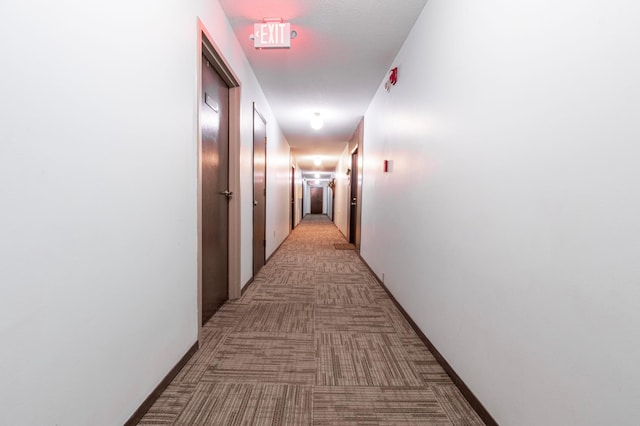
point(316, 196)
point(259, 190)
point(353, 210)
point(218, 124)
point(293, 197)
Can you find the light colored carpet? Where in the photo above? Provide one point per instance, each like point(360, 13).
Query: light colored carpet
point(316, 341)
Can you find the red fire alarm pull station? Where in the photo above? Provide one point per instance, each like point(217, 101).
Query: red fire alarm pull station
point(393, 78)
point(386, 166)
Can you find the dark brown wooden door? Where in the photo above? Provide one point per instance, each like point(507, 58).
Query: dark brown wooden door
point(214, 122)
point(353, 213)
point(316, 200)
point(259, 190)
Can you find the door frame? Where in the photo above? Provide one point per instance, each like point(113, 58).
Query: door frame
point(356, 145)
point(253, 174)
point(293, 198)
point(322, 197)
point(210, 50)
point(353, 190)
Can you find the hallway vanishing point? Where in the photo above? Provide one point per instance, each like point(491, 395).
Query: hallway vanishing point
point(315, 340)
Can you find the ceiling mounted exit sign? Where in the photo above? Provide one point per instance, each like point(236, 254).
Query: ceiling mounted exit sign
point(272, 35)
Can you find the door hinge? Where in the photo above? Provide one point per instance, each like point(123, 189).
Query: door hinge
point(265, 192)
point(265, 140)
point(264, 243)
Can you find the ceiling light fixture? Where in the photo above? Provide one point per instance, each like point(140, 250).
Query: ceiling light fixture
point(316, 121)
point(317, 161)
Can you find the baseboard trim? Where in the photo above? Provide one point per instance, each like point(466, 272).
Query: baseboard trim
point(276, 250)
point(246, 286)
point(460, 384)
point(147, 403)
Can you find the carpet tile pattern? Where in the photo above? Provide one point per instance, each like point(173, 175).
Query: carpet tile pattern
point(347, 405)
point(315, 340)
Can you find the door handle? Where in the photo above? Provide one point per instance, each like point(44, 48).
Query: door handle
point(227, 193)
point(255, 203)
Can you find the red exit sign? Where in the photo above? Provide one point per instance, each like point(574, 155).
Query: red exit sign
point(272, 35)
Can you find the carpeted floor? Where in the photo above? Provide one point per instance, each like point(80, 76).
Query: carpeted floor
point(314, 341)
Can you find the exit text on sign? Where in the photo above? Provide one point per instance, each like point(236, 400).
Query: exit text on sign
point(272, 35)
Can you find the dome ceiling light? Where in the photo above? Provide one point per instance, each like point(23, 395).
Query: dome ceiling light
point(316, 121)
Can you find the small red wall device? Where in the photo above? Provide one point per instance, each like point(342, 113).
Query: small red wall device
point(393, 77)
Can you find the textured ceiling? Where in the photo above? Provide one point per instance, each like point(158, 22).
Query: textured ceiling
point(343, 51)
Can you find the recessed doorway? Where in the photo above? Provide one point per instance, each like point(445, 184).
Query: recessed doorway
point(218, 141)
point(259, 190)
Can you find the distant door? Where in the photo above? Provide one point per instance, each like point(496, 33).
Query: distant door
point(353, 213)
point(293, 198)
point(214, 123)
point(259, 190)
point(316, 200)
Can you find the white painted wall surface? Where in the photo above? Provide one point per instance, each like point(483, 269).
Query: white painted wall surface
point(98, 182)
point(325, 198)
point(306, 206)
point(508, 228)
point(278, 188)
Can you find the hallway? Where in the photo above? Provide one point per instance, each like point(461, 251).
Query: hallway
point(314, 340)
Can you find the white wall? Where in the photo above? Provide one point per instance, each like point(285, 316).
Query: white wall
point(510, 220)
point(343, 192)
point(325, 198)
point(98, 182)
point(278, 188)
